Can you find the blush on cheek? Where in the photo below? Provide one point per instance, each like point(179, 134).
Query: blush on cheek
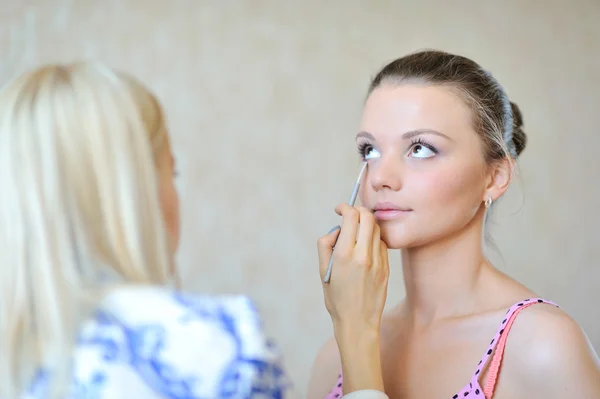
point(441, 187)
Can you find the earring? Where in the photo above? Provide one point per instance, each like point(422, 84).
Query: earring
point(488, 202)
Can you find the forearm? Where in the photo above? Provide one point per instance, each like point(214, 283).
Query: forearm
point(361, 359)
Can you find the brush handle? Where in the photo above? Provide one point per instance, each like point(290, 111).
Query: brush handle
point(351, 203)
point(354, 195)
point(330, 266)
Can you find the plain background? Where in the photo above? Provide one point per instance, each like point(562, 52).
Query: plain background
point(264, 99)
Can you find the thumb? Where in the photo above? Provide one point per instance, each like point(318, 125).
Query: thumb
point(325, 248)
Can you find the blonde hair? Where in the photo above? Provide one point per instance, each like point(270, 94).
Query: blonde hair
point(79, 209)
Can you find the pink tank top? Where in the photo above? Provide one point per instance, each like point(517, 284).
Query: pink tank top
point(473, 389)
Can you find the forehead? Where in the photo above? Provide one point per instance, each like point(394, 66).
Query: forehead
point(398, 109)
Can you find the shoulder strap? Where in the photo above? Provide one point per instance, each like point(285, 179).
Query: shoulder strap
point(337, 391)
point(499, 343)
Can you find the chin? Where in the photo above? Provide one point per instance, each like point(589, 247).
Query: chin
point(403, 242)
point(395, 239)
point(403, 235)
point(408, 236)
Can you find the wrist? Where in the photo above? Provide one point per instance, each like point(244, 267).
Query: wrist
point(356, 334)
point(360, 354)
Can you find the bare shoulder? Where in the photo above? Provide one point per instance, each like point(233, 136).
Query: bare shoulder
point(546, 334)
point(548, 354)
point(325, 370)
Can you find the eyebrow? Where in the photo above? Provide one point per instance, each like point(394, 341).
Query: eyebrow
point(408, 135)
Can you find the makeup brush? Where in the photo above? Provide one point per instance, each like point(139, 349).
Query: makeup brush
point(351, 203)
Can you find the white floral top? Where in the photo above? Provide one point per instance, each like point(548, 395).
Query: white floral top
point(155, 343)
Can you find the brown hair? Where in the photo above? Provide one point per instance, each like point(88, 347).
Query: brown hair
point(497, 120)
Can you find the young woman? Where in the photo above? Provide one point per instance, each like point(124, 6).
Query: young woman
point(89, 223)
point(441, 138)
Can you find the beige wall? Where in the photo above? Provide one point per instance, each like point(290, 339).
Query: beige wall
point(264, 98)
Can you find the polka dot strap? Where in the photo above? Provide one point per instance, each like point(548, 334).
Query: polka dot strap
point(337, 392)
point(496, 348)
point(499, 342)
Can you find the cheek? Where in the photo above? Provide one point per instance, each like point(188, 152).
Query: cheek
point(445, 187)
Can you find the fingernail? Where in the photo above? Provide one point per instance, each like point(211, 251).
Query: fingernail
point(334, 229)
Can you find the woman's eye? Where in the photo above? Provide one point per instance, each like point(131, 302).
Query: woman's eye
point(421, 151)
point(371, 153)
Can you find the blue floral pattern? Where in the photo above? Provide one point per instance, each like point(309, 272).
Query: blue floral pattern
point(154, 343)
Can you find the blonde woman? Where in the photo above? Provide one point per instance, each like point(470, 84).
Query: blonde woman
point(89, 223)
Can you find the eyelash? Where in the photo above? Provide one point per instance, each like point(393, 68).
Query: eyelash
point(363, 147)
point(423, 143)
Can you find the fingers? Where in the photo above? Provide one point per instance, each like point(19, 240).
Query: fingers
point(383, 263)
point(376, 241)
point(347, 239)
point(325, 246)
point(383, 250)
point(364, 244)
point(358, 239)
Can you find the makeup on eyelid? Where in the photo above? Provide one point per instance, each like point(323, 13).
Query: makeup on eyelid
point(419, 148)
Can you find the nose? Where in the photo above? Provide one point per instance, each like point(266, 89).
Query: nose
point(385, 173)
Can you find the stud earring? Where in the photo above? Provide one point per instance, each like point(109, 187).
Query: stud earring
point(488, 202)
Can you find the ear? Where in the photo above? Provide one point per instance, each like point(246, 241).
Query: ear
point(498, 179)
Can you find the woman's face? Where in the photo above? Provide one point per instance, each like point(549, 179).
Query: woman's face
point(430, 179)
point(169, 199)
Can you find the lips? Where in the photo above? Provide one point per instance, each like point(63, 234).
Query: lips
point(389, 211)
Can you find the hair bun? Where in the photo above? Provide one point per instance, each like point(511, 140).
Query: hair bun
point(519, 137)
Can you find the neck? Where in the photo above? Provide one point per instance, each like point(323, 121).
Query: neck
point(442, 279)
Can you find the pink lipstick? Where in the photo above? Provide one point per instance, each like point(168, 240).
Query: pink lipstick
point(389, 211)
